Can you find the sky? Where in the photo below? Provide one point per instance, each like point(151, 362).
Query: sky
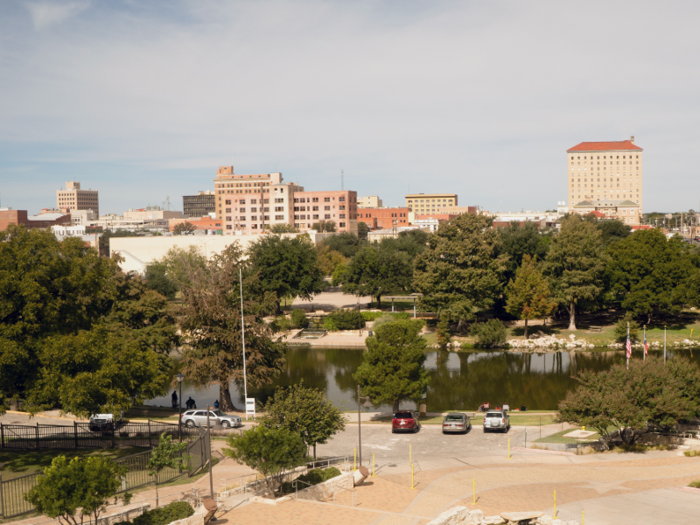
point(144, 100)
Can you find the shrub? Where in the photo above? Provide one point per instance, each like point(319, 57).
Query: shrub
point(343, 320)
point(621, 329)
point(371, 316)
point(281, 324)
point(299, 319)
point(691, 454)
point(312, 477)
point(379, 321)
point(177, 510)
point(695, 484)
point(490, 334)
point(443, 333)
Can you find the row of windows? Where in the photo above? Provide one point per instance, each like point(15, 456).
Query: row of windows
point(605, 156)
point(430, 200)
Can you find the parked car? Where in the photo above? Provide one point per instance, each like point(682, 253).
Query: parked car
point(497, 420)
point(198, 418)
point(405, 421)
point(104, 422)
point(456, 422)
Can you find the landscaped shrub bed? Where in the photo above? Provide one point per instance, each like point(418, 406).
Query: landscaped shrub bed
point(177, 510)
point(313, 477)
point(343, 320)
point(371, 316)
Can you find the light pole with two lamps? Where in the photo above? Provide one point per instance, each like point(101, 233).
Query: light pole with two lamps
point(367, 404)
point(180, 378)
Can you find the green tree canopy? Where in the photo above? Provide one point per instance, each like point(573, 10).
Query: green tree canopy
point(210, 318)
point(650, 395)
point(345, 243)
point(613, 230)
point(461, 271)
point(324, 226)
point(519, 240)
point(392, 368)
point(166, 455)
point(528, 295)
point(184, 228)
point(287, 266)
point(377, 270)
point(412, 242)
point(72, 490)
point(304, 411)
point(647, 273)
point(283, 228)
point(270, 451)
point(362, 230)
point(329, 260)
point(575, 265)
point(157, 279)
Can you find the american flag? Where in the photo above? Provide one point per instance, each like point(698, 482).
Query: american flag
point(646, 346)
point(629, 348)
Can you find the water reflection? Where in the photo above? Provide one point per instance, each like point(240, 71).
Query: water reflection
point(460, 381)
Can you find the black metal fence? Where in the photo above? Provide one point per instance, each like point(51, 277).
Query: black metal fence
point(81, 435)
point(12, 502)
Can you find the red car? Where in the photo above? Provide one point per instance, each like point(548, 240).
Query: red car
point(405, 421)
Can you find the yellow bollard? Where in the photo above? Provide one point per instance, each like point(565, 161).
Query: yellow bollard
point(354, 460)
point(509, 448)
point(555, 505)
point(373, 475)
point(582, 517)
point(474, 490)
point(412, 485)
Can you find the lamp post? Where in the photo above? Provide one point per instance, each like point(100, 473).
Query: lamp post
point(367, 404)
point(180, 378)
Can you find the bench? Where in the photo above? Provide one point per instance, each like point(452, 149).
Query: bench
point(597, 329)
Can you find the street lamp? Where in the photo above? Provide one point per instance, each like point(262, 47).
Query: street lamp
point(180, 378)
point(367, 404)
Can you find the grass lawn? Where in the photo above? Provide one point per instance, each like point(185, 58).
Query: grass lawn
point(18, 463)
point(559, 438)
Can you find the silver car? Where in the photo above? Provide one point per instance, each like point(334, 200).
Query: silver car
point(497, 420)
point(198, 418)
point(456, 422)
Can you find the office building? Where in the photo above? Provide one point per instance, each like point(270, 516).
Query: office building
point(199, 205)
point(151, 213)
point(422, 203)
point(373, 201)
point(340, 207)
point(74, 198)
point(606, 176)
point(381, 218)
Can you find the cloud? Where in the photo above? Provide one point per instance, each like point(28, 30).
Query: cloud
point(46, 14)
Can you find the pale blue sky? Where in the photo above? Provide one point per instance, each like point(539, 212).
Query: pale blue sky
point(143, 100)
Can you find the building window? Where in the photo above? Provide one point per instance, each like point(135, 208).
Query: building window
point(228, 218)
point(315, 208)
point(228, 202)
point(327, 208)
point(253, 209)
point(342, 225)
point(341, 199)
point(242, 217)
point(342, 215)
point(228, 227)
point(315, 216)
point(315, 199)
point(326, 199)
point(279, 217)
point(327, 216)
point(341, 207)
point(279, 201)
point(279, 208)
point(242, 201)
point(253, 201)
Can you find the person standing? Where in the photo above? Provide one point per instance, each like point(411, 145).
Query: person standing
point(174, 399)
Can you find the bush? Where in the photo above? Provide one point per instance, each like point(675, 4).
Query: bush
point(343, 320)
point(621, 329)
point(695, 484)
point(692, 454)
point(371, 316)
point(312, 477)
point(177, 510)
point(299, 319)
point(443, 333)
point(490, 334)
point(281, 324)
point(379, 321)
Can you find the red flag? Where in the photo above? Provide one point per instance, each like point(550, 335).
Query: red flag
point(646, 345)
point(629, 348)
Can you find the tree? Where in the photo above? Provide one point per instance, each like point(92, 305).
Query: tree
point(442, 333)
point(646, 273)
point(210, 319)
point(519, 240)
point(490, 334)
point(461, 271)
point(650, 395)
point(287, 266)
point(575, 265)
point(412, 242)
point(270, 451)
point(362, 230)
point(392, 368)
point(157, 279)
point(329, 260)
point(324, 226)
point(106, 236)
point(613, 230)
point(166, 455)
point(79, 485)
point(306, 412)
point(345, 243)
point(377, 270)
point(184, 228)
point(528, 295)
point(283, 228)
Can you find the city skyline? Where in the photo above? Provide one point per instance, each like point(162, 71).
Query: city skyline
point(149, 100)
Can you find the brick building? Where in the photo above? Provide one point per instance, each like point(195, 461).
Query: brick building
point(315, 206)
point(382, 218)
point(74, 198)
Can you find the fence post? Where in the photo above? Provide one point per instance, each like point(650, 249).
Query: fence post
point(37, 436)
point(75, 434)
point(2, 500)
point(149, 433)
point(2, 436)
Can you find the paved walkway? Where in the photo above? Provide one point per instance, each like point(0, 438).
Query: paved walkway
point(611, 488)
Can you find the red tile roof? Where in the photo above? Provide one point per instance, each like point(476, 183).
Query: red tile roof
point(606, 146)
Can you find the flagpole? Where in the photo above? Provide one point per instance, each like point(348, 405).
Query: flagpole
point(645, 343)
point(664, 344)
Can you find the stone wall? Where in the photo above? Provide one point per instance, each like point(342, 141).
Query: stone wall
point(464, 516)
point(325, 491)
point(196, 519)
point(127, 514)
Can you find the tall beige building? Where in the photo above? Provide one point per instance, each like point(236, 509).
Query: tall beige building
point(606, 176)
point(73, 198)
point(422, 203)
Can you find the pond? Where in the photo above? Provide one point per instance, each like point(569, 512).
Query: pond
point(459, 381)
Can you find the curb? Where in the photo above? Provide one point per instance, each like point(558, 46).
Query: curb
point(541, 451)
